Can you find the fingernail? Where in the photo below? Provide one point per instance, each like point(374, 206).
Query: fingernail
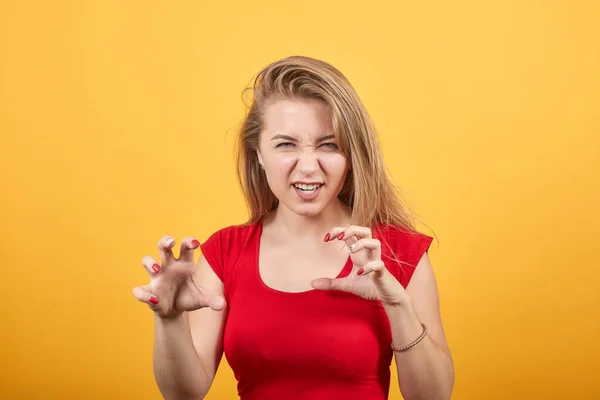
point(360, 271)
point(327, 237)
point(341, 236)
point(156, 268)
point(153, 300)
point(195, 243)
point(351, 248)
point(168, 241)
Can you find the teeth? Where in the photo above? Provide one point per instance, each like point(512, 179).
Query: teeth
point(307, 188)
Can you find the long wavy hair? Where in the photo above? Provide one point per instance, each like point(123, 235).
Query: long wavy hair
point(367, 190)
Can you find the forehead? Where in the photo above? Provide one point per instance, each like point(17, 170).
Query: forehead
point(306, 120)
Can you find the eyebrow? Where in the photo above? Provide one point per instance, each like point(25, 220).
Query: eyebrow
point(293, 139)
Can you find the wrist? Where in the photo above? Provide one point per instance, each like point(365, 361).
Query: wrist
point(399, 302)
point(168, 320)
point(403, 318)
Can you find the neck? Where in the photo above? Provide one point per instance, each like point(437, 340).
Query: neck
point(299, 226)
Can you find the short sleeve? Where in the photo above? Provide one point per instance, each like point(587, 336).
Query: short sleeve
point(212, 250)
point(401, 252)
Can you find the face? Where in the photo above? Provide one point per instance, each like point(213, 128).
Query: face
point(301, 156)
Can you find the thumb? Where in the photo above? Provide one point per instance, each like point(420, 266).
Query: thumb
point(201, 299)
point(216, 302)
point(322, 284)
point(343, 284)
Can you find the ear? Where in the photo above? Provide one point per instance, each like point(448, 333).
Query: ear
point(260, 160)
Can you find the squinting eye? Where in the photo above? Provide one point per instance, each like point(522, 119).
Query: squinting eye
point(332, 146)
point(284, 144)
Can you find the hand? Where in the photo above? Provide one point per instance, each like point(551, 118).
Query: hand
point(173, 287)
point(369, 278)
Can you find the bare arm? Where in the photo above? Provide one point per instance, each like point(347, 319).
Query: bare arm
point(207, 325)
point(426, 370)
point(188, 347)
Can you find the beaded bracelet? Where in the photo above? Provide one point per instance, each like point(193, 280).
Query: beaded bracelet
point(408, 346)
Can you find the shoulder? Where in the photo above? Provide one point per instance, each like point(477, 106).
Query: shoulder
point(228, 240)
point(401, 239)
point(401, 249)
point(233, 233)
point(224, 246)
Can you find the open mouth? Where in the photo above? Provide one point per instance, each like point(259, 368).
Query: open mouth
point(308, 189)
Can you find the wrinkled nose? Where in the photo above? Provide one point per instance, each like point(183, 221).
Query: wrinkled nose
point(308, 163)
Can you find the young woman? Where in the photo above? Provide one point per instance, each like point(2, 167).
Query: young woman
point(327, 280)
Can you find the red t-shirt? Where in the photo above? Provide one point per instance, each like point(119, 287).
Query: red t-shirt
point(309, 345)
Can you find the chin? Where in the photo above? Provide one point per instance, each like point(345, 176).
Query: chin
point(307, 210)
point(304, 209)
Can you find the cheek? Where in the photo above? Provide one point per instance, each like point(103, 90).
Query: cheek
point(283, 163)
point(275, 159)
point(286, 160)
point(280, 166)
point(334, 165)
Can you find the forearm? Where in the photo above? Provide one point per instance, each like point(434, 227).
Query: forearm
point(425, 371)
point(178, 370)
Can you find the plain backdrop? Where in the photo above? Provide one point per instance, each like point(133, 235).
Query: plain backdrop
point(117, 124)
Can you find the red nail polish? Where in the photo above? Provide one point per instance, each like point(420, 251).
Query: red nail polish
point(156, 268)
point(341, 236)
point(360, 271)
point(327, 237)
point(195, 243)
point(153, 300)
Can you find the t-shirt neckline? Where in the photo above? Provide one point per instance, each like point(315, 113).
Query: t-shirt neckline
point(345, 271)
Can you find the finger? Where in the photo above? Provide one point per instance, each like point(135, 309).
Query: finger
point(343, 284)
point(203, 298)
point(333, 233)
point(375, 267)
point(152, 267)
point(141, 293)
point(208, 298)
point(165, 246)
point(216, 302)
point(321, 283)
point(188, 245)
point(351, 233)
point(358, 232)
point(374, 245)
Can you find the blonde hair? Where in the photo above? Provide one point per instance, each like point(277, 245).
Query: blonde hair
point(368, 190)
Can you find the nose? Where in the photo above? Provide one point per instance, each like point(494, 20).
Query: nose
point(308, 163)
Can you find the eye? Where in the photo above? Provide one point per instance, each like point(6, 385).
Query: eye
point(331, 146)
point(284, 144)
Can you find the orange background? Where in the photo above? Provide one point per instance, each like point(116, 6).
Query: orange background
point(117, 125)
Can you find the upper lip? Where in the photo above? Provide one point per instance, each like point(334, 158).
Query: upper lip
point(307, 183)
